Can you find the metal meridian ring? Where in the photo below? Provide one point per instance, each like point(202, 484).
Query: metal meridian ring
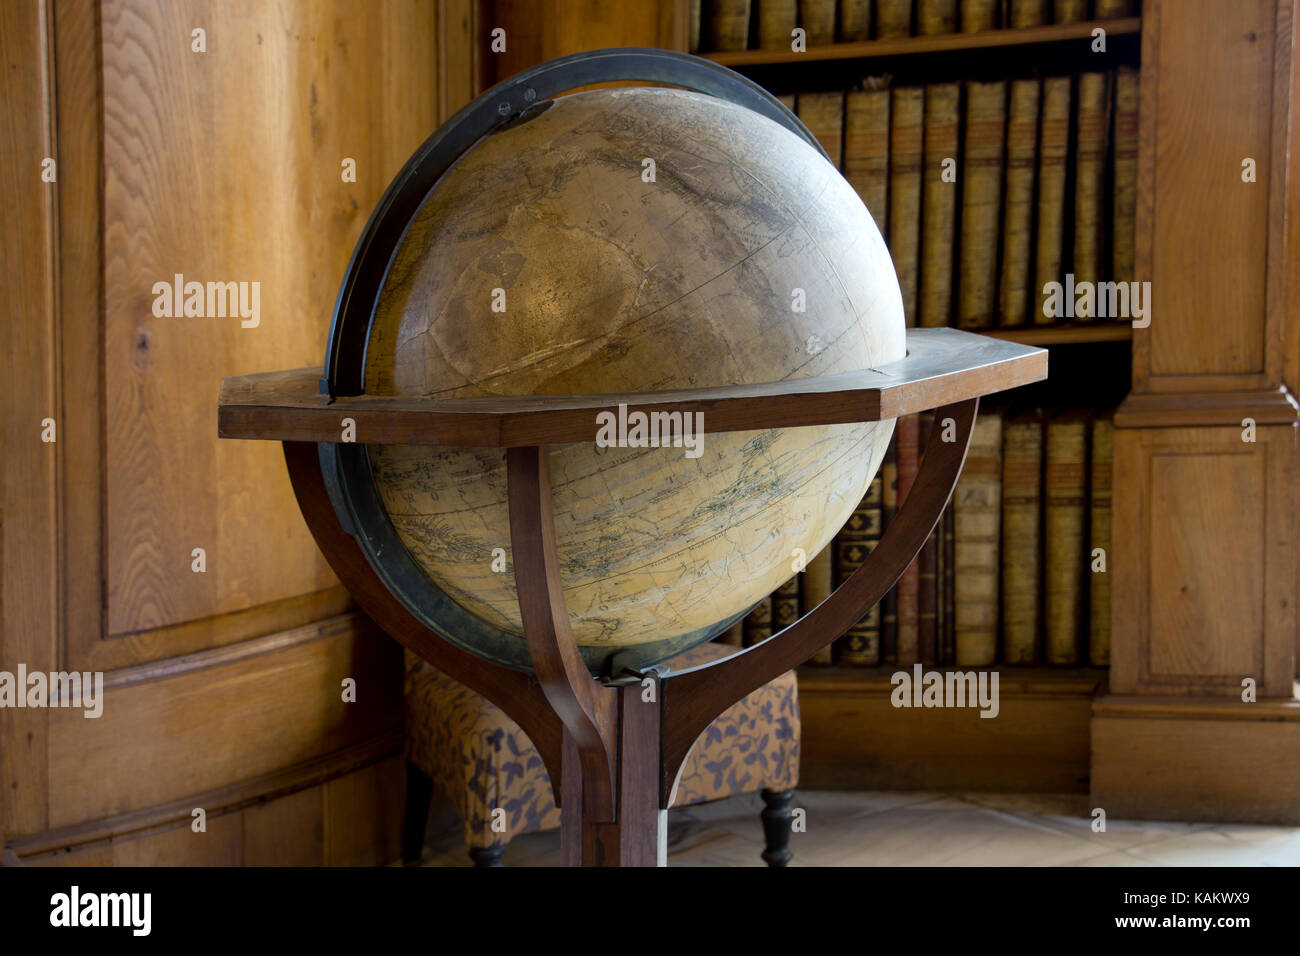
point(345, 468)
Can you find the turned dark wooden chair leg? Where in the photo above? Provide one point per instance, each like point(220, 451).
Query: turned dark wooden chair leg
point(419, 797)
point(777, 817)
point(487, 855)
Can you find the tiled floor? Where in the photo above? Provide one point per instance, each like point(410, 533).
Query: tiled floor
point(928, 829)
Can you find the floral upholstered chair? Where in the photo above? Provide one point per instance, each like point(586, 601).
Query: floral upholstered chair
point(482, 761)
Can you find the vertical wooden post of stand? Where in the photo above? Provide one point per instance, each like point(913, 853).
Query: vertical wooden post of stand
point(608, 788)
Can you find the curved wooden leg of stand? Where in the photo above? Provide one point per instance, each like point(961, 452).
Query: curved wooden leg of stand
point(693, 698)
point(777, 819)
point(608, 793)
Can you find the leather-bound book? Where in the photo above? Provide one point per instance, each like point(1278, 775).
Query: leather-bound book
point(927, 580)
point(908, 431)
point(693, 26)
point(893, 18)
point(1099, 504)
point(888, 509)
point(981, 203)
point(817, 17)
point(758, 622)
point(936, 16)
point(1066, 549)
point(1053, 150)
point(1124, 216)
point(728, 24)
point(855, 20)
point(1110, 9)
point(815, 587)
point(1069, 11)
point(979, 15)
point(776, 22)
point(823, 114)
point(860, 645)
point(907, 110)
point(734, 635)
point(1093, 127)
point(866, 147)
point(938, 204)
point(1026, 13)
point(785, 604)
point(1022, 485)
point(977, 507)
point(1014, 298)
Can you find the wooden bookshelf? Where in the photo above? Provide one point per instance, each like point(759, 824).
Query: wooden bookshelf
point(948, 42)
point(1065, 334)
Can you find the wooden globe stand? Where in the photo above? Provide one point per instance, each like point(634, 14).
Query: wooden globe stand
point(615, 749)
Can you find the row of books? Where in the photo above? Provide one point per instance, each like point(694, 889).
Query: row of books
point(725, 25)
point(1016, 572)
point(987, 191)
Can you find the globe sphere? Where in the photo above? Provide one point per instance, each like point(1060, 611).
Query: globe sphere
point(634, 239)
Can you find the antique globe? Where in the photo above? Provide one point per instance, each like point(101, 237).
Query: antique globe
point(631, 239)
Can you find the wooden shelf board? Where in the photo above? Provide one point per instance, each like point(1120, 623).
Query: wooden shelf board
point(1049, 681)
point(1064, 334)
point(904, 46)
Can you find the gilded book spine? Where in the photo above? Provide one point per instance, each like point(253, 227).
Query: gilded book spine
point(823, 114)
point(734, 635)
point(1103, 460)
point(1069, 11)
point(979, 15)
point(860, 646)
point(785, 605)
point(907, 112)
point(815, 587)
point(1089, 183)
point(1054, 145)
point(1064, 488)
point(1018, 206)
point(728, 24)
point(1026, 13)
point(938, 203)
point(817, 17)
point(776, 23)
point(936, 16)
point(893, 18)
point(981, 202)
point(866, 149)
point(855, 20)
point(1124, 219)
point(977, 505)
point(1110, 9)
point(758, 623)
point(1022, 482)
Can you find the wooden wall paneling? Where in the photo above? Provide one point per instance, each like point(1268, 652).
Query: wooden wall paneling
point(220, 844)
point(540, 30)
point(1210, 233)
point(29, 343)
point(1205, 569)
point(184, 733)
point(1208, 761)
point(363, 815)
point(1038, 742)
point(462, 55)
point(239, 150)
point(1207, 598)
point(289, 831)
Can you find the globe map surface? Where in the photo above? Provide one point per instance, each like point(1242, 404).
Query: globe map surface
point(623, 240)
